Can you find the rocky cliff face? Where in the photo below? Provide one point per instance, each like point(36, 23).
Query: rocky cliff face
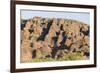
point(55, 38)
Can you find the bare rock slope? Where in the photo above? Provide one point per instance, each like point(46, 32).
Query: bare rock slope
point(54, 39)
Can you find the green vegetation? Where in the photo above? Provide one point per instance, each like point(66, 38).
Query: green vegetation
point(66, 57)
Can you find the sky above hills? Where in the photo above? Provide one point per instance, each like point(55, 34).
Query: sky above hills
point(80, 16)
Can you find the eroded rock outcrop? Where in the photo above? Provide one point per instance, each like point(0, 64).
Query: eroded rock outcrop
point(53, 38)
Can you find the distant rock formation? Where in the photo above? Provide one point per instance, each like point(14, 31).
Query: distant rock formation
point(51, 35)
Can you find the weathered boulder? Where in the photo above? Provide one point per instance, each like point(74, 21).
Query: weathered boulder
point(85, 27)
point(60, 38)
point(86, 40)
point(68, 42)
point(26, 51)
point(61, 22)
point(25, 34)
point(29, 23)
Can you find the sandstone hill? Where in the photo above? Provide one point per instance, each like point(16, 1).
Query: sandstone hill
point(54, 39)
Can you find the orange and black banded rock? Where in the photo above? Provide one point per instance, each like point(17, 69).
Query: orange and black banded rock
point(51, 35)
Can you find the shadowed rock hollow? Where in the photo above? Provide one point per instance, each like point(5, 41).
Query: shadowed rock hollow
point(54, 39)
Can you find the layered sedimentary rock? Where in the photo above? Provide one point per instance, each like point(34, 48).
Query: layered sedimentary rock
point(54, 38)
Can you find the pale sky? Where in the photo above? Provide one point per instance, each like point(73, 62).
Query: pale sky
point(83, 17)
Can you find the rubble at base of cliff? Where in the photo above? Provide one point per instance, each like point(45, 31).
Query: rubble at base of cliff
point(54, 39)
